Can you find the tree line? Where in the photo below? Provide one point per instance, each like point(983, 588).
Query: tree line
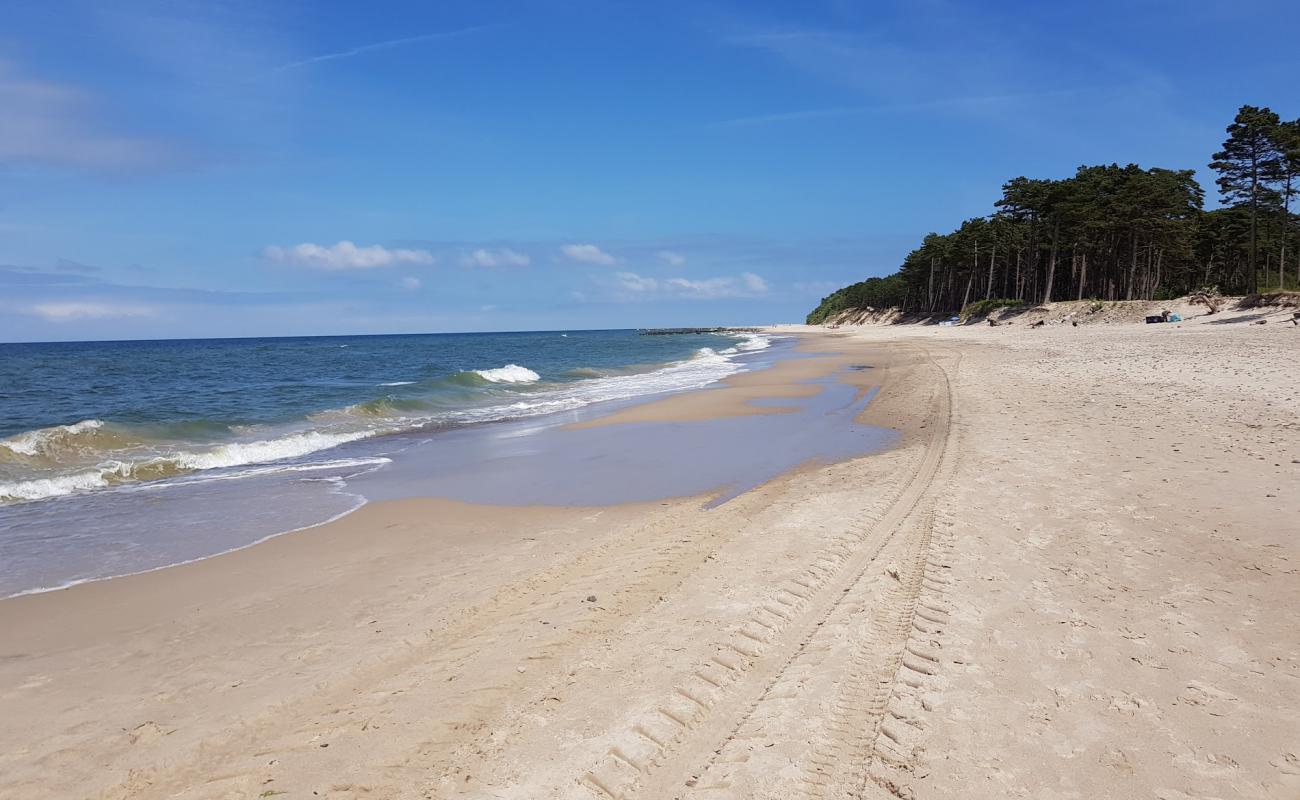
point(1113, 232)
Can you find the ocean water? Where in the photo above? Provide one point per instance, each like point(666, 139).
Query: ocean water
point(119, 457)
point(78, 417)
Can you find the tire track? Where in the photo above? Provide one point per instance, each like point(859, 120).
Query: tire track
point(664, 753)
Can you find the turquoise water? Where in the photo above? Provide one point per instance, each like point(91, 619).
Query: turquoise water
point(83, 417)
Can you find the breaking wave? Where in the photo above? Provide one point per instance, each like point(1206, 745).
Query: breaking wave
point(510, 373)
point(93, 454)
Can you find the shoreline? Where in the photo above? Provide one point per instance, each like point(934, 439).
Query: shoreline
point(343, 466)
point(731, 396)
point(1045, 607)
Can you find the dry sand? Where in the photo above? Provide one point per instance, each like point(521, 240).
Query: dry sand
point(1075, 577)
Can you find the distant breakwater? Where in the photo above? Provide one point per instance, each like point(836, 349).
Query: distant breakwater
point(680, 331)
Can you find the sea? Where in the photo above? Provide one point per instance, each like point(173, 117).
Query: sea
point(121, 457)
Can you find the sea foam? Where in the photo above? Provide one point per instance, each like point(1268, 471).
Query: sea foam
point(32, 443)
point(510, 373)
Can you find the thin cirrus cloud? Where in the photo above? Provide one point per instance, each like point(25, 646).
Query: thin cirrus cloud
point(747, 284)
point(588, 254)
point(502, 257)
point(671, 258)
point(345, 256)
point(384, 45)
point(77, 310)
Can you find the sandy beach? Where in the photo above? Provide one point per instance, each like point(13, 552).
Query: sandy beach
point(1075, 575)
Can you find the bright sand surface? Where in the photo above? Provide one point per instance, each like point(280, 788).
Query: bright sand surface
point(1075, 576)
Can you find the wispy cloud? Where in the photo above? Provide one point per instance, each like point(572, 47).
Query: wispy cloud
point(63, 125)
point(75, 310)
point(973, 103)
point(501, 257)
point(410, 283)
point(384, 45)
point(747, 284)
point(940, 57)
point(671, 258)
point(344, 255)
point(588, 254)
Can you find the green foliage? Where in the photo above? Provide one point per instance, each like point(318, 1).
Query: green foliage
point(1113, 233)
point(872, 293)
point(982, 308)
point(1250, 161)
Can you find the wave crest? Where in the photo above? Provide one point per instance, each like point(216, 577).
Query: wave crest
point(38, 442)
point(510, 373)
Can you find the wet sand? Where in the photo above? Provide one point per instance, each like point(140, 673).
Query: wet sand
point(1074, 575)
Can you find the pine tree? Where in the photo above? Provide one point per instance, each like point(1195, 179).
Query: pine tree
point(1247, 164)
point(1287, 141)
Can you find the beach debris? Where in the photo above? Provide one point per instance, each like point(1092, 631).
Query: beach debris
point(1207, 296)
point(1039, 324)
point(591, 598)
point(892, 571)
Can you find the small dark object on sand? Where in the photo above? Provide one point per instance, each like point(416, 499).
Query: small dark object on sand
point(1074, 323)
point(1039, 324)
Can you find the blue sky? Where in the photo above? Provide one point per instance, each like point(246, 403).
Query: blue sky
point(235, 168)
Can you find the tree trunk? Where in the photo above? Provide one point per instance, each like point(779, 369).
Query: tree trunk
point(1083, 274)
point(1016, 284)
point(1286, 225)
point(1252, 277)
point(988, 292)
point(1051, 263)
point(1132, 268)
point(1160, 258)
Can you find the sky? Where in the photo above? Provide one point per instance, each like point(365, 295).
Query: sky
point(231, 168)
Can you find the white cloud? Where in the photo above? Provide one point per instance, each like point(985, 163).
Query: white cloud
point(344, 255)
point(588, 254)
point(64, 312)
point(411, 283)
point(671, 258)
point(503, 257)
point(633, 282)
point(746, 284)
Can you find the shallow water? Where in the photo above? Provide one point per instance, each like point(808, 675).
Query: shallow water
point(526, 461)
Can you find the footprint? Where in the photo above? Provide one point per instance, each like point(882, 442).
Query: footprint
point(1202, 694)
point(146, 732)
point(1117, 760)
point(1289, 765)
